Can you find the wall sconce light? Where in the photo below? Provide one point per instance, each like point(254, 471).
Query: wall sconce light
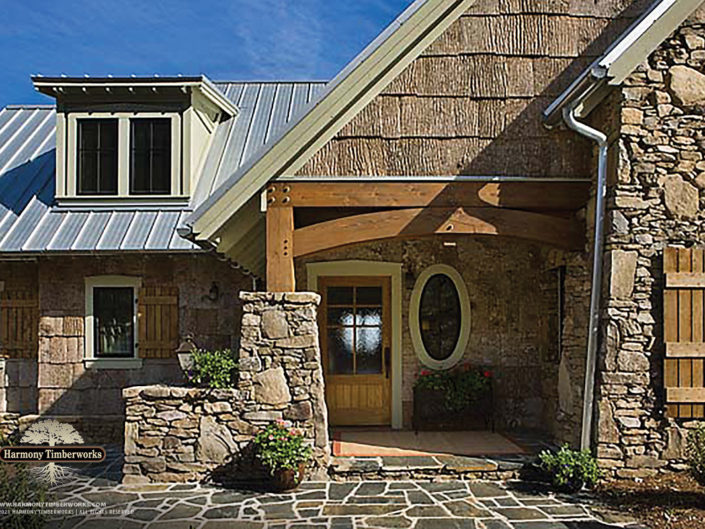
point(213, 294)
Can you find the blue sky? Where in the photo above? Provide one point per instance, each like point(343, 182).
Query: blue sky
point(225, 39)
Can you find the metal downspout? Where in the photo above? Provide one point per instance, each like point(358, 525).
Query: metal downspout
point(596, 287)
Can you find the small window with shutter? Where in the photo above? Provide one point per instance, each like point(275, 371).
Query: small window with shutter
point(684, 332)
point(126, 322)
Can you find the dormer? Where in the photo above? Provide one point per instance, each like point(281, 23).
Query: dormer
point(132, 139)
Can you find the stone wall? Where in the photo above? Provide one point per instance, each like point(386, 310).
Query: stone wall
point(178, 434)
point(57, 382)
point(655, 200)
point(513, 291)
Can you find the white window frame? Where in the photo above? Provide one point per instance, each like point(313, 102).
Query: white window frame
point(90, 359)
point(415, 329)
point(70, 185)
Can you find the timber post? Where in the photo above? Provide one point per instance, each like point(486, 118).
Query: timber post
point(280, 249)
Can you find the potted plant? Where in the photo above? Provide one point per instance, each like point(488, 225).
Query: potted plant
point(459, 399)
point(281, 449)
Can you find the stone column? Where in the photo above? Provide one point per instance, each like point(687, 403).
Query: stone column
point(280, 366)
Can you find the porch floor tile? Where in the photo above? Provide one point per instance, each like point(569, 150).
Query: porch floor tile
point(363, 442)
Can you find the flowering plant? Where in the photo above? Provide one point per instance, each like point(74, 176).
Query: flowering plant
point(279, 447)
point(461, 386)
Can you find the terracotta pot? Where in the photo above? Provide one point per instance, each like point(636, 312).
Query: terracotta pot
point(287, 479)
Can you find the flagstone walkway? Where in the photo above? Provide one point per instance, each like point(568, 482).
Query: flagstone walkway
point(354, 505)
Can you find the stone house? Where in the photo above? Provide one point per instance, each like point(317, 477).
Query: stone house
point(513, 185)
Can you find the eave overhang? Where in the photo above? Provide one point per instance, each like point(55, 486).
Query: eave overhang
point(136, 87)
point(355, 86)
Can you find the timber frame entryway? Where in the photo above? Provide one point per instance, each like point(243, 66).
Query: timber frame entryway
point(354, 397)
point(306, 217)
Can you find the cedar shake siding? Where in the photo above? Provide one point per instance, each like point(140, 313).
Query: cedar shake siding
point(471, 103)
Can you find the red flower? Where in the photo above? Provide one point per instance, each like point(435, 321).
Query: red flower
point(425, 372)
point(488, 374)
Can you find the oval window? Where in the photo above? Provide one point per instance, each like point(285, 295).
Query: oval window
point(439, 318)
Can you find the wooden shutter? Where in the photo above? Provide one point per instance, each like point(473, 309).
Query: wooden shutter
point(19, 323)
point(158, 321)
point(684, 331)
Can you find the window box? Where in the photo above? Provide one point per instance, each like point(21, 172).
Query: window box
point(431, 412)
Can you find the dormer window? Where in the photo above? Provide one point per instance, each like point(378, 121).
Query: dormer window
point(150, 156)
point(125, 154)
point(142, 139)
point(97, 157)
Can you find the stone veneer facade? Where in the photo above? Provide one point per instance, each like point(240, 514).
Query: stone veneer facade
point(655, 200)
point(57, 383)
point(175, 434)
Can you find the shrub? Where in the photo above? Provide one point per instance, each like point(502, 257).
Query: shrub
point(18, 484)
point(569, 470)
point(461, 386)
point(695, 453)
point(213, 369)
point(280, 447)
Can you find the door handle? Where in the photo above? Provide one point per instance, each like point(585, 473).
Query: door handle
point(387, 361)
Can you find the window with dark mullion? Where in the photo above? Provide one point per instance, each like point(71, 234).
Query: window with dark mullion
point(97, 157)
point(113, 316)
point(150, 156)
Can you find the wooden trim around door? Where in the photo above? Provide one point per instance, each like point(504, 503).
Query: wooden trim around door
point(373, 268)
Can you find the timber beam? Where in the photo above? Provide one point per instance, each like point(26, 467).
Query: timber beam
point(423, 222)
point(562, 195)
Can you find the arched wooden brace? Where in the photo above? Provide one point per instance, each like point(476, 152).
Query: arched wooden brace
point(422, 222)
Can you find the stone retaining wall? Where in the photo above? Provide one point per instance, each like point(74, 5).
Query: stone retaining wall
point(175, 434)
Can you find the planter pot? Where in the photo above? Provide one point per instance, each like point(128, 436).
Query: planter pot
point(287, 479)
point(431, 412)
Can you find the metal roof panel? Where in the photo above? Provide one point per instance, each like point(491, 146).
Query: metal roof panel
point(31, 221)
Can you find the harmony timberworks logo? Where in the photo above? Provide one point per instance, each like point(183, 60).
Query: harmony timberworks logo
point(52, 442)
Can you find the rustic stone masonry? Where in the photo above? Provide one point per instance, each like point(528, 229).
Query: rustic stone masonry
point(655, 200)
point(176, 434)
point(513, 286)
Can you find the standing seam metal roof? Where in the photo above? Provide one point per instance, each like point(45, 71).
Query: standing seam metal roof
point(31, 221)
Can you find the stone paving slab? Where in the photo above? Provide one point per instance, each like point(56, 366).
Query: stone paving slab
point(363, 505)
point(371, 504)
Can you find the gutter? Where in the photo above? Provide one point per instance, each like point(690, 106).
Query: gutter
point(593, 327)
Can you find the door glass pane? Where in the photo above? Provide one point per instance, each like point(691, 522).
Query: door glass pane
point(369, 316)
point(340, 351)
point(340, 296)
point(369, 296)
point(369, 350)
point(340, 316)
point(113, 312)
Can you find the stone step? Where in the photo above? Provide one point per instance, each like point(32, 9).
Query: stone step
point(430, 467)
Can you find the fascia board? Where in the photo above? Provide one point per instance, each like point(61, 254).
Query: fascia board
point(356, 86)
point(645, 37)
point(622, 57)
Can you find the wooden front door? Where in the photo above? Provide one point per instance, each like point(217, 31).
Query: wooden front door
point(355, 340)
